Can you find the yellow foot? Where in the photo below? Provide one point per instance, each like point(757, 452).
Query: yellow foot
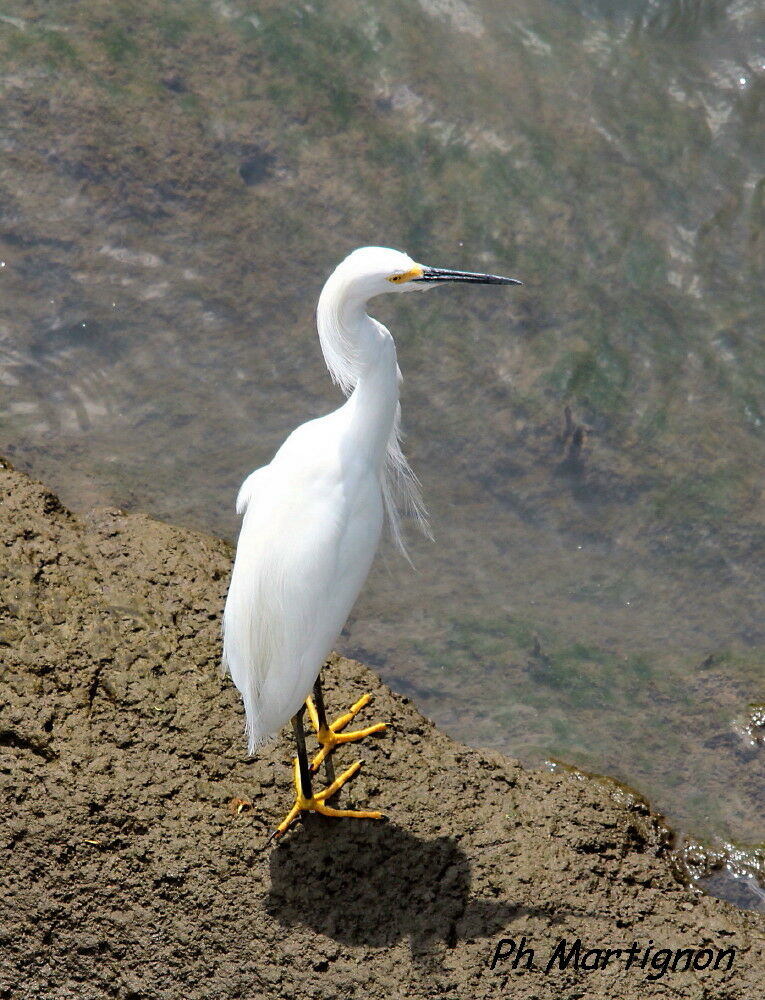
point(316, 803)
point(331, 737)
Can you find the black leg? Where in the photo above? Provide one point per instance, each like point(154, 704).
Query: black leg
point(318, 700)
point(305, 772)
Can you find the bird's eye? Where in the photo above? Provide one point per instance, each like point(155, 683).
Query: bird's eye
point(399, 277)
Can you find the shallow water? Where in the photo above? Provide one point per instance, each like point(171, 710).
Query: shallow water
point(178, 180)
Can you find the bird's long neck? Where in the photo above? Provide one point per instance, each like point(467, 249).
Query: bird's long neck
point(361, 358)
point(373, 403)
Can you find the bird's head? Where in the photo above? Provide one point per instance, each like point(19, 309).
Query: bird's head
point(371, 271)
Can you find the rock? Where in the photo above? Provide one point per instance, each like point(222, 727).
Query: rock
point(124, 871)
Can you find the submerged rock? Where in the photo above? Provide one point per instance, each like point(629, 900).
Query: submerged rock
point(127, 871)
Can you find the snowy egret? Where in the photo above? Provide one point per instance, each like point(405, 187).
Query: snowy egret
point(312, 520)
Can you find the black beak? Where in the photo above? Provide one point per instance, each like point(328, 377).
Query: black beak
point(443, 274)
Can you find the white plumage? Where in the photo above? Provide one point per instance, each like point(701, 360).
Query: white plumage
point(314, 515)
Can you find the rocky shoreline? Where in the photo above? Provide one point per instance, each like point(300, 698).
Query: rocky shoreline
point(133, 827)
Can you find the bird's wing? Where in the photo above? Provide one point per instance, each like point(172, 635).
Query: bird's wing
point(307, 540)
point(249, 488)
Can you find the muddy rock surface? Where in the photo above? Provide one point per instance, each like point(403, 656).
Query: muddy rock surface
point(133, 827)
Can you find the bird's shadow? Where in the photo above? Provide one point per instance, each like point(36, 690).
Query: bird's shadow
point(373, 884)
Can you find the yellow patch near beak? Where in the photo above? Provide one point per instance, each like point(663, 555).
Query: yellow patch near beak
point(399, 279)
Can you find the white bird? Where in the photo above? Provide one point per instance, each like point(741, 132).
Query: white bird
point(313, 518)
